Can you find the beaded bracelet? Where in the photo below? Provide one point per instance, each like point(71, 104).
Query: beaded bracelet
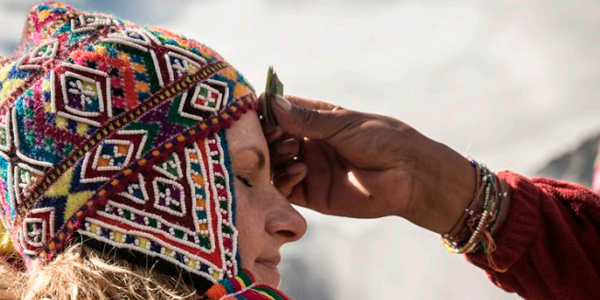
point(459, 232)
point(473, 230)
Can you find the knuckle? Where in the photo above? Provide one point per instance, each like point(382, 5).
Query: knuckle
point(308, 119)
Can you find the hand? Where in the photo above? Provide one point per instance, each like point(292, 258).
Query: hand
point(348, 163)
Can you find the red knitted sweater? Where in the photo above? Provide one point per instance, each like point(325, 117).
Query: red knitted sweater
point(550, 242)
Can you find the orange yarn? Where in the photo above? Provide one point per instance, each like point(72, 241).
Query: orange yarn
point(216, 292)
point(491, 247)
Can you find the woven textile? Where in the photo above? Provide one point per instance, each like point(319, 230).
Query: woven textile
point(114, 132)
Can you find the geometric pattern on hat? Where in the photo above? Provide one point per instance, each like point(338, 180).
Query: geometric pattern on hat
point(113, 155)
point(185, 198)
point(81, 94)
point(43, 142)
point(209, 194)
point(39, 53)
point(114, 131)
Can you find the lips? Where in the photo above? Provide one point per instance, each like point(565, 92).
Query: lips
point(271, 262)
point(266, 269)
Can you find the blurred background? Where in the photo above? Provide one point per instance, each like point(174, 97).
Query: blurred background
point(512, 83)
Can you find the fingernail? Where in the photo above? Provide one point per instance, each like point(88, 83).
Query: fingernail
point(278, 176)
point(283, 151)
point(293, 169)
point(283, 103)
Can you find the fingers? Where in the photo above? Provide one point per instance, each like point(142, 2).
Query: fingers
point(273, 133)
point(311, 104)
point(290, 178)
point(284, 151)
point(303, 118)
point(288, 173)
point(298, 195)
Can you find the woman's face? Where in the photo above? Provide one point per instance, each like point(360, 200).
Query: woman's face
point(265, 219)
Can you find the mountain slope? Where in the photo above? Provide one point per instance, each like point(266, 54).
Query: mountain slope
point(575, 165)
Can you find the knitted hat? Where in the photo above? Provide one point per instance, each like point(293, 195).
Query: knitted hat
point(114, 132)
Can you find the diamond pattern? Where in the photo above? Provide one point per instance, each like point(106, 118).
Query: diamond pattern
point(174, 60)
point(136, 191)
point(25, 177)
point(132, 37)
point(89, 144)
point(81, 94)
point(169, 196)
point(199, 103)
point(5, 134)
point(90, 22)
point(38, 56)
point(178, 64)
point(170, 168)
point(206, 97)
point(113, 155)
point(38, 227)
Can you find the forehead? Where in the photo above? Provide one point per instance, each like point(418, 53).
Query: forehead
point(246, 133)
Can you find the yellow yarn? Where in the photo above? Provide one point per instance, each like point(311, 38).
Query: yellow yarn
point(6, 245)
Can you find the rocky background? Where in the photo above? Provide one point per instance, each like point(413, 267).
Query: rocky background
point(575, 165)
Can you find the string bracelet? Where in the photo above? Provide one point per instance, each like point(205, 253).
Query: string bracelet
point(473, 231)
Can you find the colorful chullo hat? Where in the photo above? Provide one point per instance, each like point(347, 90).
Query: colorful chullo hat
point(113, 133)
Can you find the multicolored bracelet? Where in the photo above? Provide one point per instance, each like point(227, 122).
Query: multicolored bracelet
point(473, 231)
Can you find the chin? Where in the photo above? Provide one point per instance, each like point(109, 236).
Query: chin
point(267, 274)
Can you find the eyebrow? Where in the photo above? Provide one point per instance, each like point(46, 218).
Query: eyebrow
point(259, 153)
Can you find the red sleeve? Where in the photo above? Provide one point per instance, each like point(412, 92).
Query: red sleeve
point(550, 242)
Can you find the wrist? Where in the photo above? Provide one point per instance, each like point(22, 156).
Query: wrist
point(474, 230)
point(447, 183)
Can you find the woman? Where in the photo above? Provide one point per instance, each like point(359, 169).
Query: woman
point(132, 166)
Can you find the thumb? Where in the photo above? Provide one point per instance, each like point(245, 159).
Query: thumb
point(312, 119)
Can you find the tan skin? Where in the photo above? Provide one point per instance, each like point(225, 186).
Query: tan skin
point(397, 170)
point(265, 218)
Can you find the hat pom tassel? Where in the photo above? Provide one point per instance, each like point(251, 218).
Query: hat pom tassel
point(241, 287)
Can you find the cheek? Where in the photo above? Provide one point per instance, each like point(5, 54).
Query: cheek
point(250, 226)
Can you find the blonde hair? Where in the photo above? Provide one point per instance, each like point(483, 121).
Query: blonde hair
point(83, 273)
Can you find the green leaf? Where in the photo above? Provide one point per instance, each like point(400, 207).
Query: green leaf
point(274, 87)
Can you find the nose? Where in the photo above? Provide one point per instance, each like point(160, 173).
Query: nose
point(283, 221)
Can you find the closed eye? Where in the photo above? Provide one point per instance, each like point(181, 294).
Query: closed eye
point(244, 181)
